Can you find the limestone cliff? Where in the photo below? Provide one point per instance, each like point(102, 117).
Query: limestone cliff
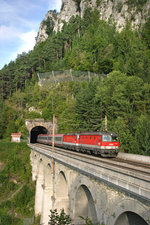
point(42, 33)
point(68, 9)
point(118, 11)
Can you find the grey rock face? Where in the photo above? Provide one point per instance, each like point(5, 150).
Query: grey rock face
point(42, 35)
point(118, 11)
point(69, 9)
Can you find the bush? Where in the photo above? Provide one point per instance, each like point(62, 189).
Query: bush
point(61, 219)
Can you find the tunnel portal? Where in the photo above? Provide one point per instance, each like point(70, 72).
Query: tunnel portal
point(35, 132)
point(39, 126)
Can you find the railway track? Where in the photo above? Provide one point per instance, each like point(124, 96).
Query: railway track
point(139, 164)
point(129, 167)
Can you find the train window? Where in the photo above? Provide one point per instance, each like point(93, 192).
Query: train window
point(107, 138)
point(58, 138)
point(100, 138)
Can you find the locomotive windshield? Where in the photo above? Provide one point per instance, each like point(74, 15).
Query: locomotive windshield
point(107, 138)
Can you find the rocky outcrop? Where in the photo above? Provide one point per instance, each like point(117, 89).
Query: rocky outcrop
point(42, 34)
point(116, 11)
point(69, 9)
point(119, 11)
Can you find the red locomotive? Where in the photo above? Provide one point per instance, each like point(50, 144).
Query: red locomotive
point(97, 143)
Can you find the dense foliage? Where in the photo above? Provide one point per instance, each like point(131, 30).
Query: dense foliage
point(89, 44)
point(59, 219)
point(16, 187)
point(64, 219)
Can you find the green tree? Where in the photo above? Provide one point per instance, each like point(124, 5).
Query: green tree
point(146, 32)
point(59, 219)
point(49, 25)
point(142, 134)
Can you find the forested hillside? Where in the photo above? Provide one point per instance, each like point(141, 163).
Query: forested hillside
point(87, 44)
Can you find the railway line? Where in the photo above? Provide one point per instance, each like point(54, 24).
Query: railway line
point(134, 162)
point(129, 167)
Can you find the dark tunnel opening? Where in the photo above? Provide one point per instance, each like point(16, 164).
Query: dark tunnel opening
point(35, 132)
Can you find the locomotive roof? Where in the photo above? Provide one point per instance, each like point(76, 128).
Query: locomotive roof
point(50, 135)
point(85, 133)
point(94, 133)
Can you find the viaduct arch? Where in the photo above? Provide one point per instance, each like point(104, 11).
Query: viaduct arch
point(128, 217)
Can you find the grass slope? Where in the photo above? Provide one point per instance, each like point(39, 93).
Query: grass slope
point(16, 187)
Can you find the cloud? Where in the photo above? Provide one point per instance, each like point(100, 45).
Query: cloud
point(28, 39)
point(55, 4)
point(27, 43)
point(58, 5)
point(19, 13)
point(6, 7)
point(8, 32)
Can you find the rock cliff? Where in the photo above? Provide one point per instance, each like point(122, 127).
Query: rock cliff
point(118, 11)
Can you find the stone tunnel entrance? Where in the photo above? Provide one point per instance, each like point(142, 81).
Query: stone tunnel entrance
point(39, 126)
point(35, 132)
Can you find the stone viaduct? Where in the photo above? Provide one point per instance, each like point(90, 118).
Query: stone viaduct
point(100, 192)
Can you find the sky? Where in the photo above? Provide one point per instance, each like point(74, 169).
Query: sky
point(19, 24)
